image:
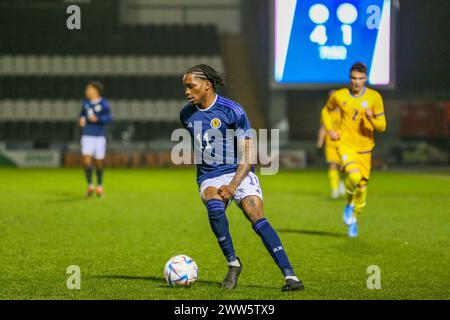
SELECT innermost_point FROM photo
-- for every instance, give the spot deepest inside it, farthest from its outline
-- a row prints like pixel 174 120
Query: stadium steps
pixel 240 78
pixel 102 65
pixel 58 110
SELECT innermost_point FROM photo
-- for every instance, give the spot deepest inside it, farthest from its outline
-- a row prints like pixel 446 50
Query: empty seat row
pixel 68 110
pixel 23 13
pixel 73 87
pixel 152 39
pixel 37 131
pixel 46 131
pixel 102 65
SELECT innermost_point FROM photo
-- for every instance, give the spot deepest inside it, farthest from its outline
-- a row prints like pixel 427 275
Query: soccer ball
pixel 180 270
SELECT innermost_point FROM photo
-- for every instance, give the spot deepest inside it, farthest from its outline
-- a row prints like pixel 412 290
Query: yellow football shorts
pixel 351 159
pixel 331 155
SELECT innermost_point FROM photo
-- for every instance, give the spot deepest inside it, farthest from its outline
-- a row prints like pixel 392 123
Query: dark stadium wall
pixel 257 30
pixel 25 13
pixel 423 46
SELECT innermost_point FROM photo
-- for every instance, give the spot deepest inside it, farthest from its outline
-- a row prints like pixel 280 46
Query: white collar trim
pixel 206 109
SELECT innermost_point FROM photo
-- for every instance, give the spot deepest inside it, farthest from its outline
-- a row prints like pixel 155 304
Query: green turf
pixel 122 242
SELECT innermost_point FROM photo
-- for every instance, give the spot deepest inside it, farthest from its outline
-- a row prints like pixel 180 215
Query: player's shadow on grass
pixel 164 284
pixel 143 278
pixel 313 232
pixel 65 197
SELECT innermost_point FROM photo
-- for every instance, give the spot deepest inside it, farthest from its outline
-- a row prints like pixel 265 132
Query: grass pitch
pixel 121 242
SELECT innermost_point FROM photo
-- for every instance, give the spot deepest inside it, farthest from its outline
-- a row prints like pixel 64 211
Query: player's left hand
pixel 369 113
pixel 226 192
pixel 93 118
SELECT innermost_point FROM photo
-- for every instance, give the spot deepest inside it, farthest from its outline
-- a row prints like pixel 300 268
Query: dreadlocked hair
pixel 206 72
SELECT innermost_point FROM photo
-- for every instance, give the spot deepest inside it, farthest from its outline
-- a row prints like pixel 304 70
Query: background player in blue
pixel 94 115
pixel 219 183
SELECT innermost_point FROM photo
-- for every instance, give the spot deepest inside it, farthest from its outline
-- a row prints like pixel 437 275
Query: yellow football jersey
pixel 356 130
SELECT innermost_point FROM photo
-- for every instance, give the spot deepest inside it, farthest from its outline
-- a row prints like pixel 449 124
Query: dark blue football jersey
pixel 102 110
pixel 214 132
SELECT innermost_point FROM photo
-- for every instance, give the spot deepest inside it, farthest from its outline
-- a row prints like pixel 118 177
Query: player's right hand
pixel 82 121
pixel 93 118
pixel 369 113
pixel 226 192
pixel 334 135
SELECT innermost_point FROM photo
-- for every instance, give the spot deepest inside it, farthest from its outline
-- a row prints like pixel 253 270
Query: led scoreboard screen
pixel 317 41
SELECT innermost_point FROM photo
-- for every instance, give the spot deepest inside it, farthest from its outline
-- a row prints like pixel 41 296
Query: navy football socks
pixel 88 173
pixel 219 224
pixel 99 176
pixel 273 244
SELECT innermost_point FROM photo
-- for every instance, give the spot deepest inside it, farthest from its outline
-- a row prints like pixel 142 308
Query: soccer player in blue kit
pixel 94 115
pixel 219 183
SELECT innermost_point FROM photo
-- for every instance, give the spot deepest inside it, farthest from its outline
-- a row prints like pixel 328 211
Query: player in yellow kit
pixel 362 113
pixel 331 154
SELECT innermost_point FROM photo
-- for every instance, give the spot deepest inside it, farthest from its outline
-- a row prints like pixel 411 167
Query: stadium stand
pixel 44 68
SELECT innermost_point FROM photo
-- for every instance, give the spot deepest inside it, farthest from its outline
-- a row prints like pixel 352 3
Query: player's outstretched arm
pixel 245 164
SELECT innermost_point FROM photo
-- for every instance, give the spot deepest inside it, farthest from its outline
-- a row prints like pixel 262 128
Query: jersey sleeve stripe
pixel 237 109
pixel 234 108
pixel 379 114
